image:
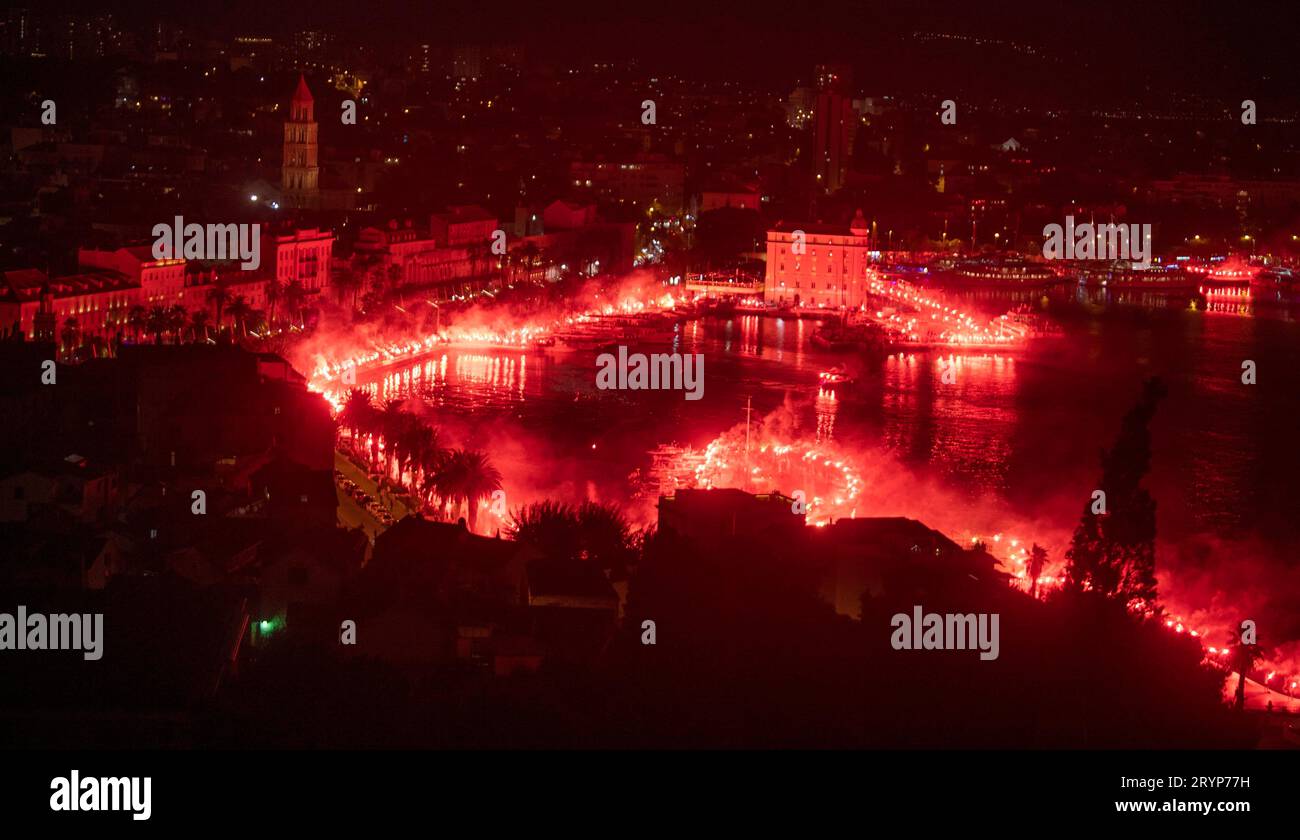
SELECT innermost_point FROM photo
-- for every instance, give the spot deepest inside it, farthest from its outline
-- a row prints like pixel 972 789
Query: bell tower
pixel 299 172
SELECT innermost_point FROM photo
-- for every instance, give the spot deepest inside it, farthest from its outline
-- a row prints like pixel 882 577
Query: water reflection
pixel 1028 428
pixel 463 379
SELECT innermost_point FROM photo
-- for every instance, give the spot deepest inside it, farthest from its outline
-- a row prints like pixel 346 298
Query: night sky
pixel 1191 46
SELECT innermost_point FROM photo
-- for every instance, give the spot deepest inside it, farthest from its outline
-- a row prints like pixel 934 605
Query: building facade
pixel 300 168
pixel 410 257
pixel 818 265
pixel 834 124
pixel 640 181
pixel 99 298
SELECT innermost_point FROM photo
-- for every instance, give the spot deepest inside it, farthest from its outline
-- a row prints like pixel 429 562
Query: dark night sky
pixel 1191 45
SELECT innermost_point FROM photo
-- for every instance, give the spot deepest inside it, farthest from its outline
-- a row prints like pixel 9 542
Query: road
pixel 351 512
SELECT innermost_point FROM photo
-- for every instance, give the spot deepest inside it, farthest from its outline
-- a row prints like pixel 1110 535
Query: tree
pixel 591 532
pixel 358 413
pixel 273 291
pixel 294 294
pixel 258 323
pixel 70 336
pixel 1114 552
pixel 395 278
pixel 420 445
pixel 432 462
pixel 219 295
pixel 136 319
pixel 1243 657
pixel 347 281
pixel 199 324
pixel 527 256
pixel 239 310
pixel 157 322
pixel 549 526
pixel 98 346
pixel 466 478
pixel 1037 560
pixel 364 268
pixel 175 319
pixel 392 420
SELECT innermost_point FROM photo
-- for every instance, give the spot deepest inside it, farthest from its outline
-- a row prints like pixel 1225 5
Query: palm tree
pixel 1243 658
pixel 346 281
pixel 591 532
pixel 432 462
pixel 70 336
pixel 176 322
pixel 549 526
pixel 294 294
pixel 239 310
pixel 364 267
pixel 395 277
pixel 467 478
pixel 219 295
pixel 546 258
pixel 199 323
pixel 136 319
pixel 392 420
pixel 273 290
pixel 358 411
pixel 156 322
pixel 420 444
pixel 527 257
pixel 607 536
pixel 258 322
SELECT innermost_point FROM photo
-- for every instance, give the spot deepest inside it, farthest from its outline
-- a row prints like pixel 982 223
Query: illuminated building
pixel 639 181
pixel 466 224
pixel 301 256
pixel 443 259
pixel 300 173
pixel 40 306
pixel 830 271
pixel 110 283
pixel 834 122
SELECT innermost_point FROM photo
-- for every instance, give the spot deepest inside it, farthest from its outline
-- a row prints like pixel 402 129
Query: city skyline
pixel 895 377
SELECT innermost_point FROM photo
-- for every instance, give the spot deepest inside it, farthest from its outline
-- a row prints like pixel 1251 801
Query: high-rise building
pixel 834 122
pixel 299 172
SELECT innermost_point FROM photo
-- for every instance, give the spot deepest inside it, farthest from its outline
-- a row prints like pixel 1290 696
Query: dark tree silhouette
pixel 1037 560
pixel 1243 658
pixel 591 532
pixel 1114 552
